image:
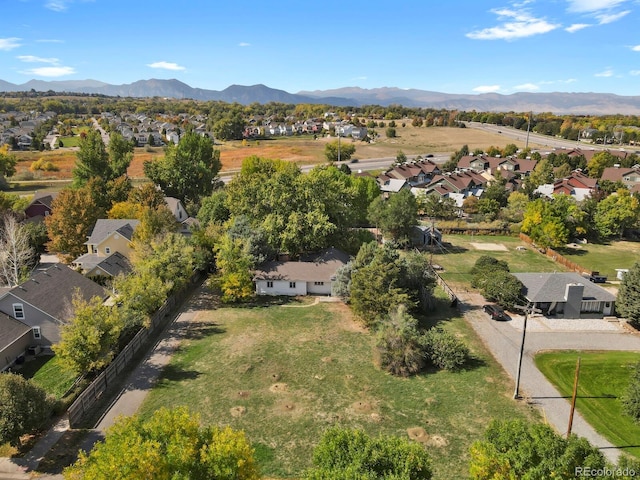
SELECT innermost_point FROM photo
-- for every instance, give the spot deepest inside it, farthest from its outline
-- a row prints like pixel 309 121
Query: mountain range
pixel 555 102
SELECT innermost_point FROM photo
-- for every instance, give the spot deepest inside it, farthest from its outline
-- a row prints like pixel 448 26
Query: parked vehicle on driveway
pixel 495 312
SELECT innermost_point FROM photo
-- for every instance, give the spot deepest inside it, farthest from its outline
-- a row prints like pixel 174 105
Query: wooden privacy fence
pixel 555 256
pixel 440 281
pixel 90 395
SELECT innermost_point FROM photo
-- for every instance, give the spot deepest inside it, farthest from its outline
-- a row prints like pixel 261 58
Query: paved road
pixel 504 339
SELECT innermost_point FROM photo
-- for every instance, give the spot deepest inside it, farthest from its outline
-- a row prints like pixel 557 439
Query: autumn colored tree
pixel 74 213
pixel 8 164
pixel 169 445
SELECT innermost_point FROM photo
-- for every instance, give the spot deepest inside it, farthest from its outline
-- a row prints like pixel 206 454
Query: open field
pixel 604 258
pixel 284 374
pixel 300 149
pixel 459 254
pixel 604 377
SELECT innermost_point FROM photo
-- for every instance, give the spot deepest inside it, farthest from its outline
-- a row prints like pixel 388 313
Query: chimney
pixel 573 298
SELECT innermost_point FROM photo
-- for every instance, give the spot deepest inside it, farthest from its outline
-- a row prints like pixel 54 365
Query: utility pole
pixel 338 132
pixel 526 145
pixel 575 396
pixel 528 309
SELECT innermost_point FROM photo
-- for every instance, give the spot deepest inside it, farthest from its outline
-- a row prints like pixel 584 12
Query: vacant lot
pixel 300 149
pixel 284 374
pixel 460 252
pixel 604 377
pixel 604 258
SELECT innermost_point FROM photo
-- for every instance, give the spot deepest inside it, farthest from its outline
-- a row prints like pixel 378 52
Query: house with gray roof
pixel 44 301
pixel 566 295
pixel 15 338
pixel 107 237
pixel 312 275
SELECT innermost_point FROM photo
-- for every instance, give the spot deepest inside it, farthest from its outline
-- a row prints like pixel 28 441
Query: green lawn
pixel 285 374
pixel 458 256
pixel 604 377
pixel 48 373
pixel 604 258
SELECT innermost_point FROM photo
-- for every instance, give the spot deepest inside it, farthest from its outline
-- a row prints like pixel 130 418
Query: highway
pixel 535 139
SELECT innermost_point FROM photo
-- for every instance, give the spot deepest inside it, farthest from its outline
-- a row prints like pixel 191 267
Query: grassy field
pixel 458 256
pixel 604 258
pixel 300 149
pixel 604 377
pixel 284 374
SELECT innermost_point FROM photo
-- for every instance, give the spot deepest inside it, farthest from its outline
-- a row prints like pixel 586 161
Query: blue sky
pixel 463 46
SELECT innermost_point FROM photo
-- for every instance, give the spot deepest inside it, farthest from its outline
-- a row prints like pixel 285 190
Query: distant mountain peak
pixel 557 102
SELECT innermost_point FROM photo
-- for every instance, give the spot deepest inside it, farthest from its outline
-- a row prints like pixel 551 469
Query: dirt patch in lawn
pixel 495 247
pixel 279 387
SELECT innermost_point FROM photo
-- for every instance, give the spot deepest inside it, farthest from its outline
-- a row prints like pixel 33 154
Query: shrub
pixel 344 454
pixel 43 165
pixel 399 347
pixel 444 349
pixel 631 399
pixel 25 407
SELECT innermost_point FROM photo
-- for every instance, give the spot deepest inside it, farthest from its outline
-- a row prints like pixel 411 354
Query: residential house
pixel 629 176
pixel 41 204
pixel 566 295
pixel 576 185
pixel 15 338
pixel 177 209
pixel 107 237
pixel 44 302
pixel 312 275
pixel 425 235
pixel 415 173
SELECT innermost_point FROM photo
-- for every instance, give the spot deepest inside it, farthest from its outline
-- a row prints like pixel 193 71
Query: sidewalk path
pixel 140 381
pixel 503 339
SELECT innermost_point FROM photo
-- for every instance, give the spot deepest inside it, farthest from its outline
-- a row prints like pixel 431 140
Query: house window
pixel 37 335
pixel 18 311
pixel 269 284
pixel 107 250
pixel 292 284
pixel 318 283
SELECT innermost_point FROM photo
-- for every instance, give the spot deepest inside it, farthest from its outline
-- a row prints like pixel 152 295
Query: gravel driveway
pixel 503 339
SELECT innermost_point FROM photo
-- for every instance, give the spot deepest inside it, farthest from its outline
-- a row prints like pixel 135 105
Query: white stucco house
pixel 312 275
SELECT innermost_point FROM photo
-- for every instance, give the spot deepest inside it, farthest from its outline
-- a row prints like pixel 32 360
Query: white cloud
pixel 605 18
pixel 527 87
pixel 593 5
pixel 577 26
pixel 522 25
pixel 634 72
pixel 606 73
pixel 487 88
pixel 166 66
pixel 244 44
pixel 7 44
pixel 50 71
pixel 57 5
pixel 33 59
pixel 636 48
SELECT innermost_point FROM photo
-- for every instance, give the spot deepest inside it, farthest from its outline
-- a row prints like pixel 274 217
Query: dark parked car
pixel 495 312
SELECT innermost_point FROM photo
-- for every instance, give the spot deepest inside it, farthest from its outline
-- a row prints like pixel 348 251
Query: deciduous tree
pixel 25 407
pixel 188 170
pixel 88 340
pixel 8 164
pixel 16 253
pixel 347 149
pixel 344 454
pixel 628 300
pixel 395 216
pixel 170 445
pixel 616 213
